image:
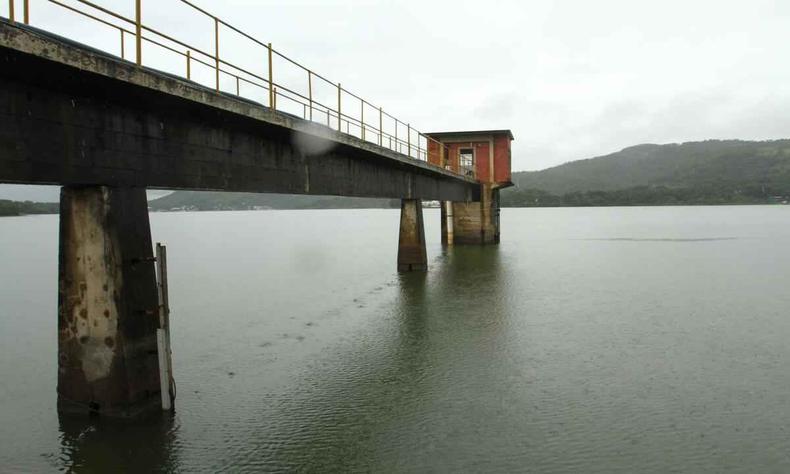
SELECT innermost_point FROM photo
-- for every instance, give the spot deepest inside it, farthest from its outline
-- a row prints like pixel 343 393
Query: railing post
pixel 237 86
pixel 138 31
pixel 271 82
pixel 26 12
pixel 11 10
pixel 189 65
pixel 362 117
pixel 381 126
pixel 274 93
pixel 216 51
pixel 310 92
pixel 408 138
pixel 339 113
pixel 396 136
pixel 123 47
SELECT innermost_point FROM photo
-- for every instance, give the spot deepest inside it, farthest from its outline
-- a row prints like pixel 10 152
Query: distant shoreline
pixel 152 211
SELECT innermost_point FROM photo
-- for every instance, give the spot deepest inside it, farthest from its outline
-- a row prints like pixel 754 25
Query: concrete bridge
pixel 106 129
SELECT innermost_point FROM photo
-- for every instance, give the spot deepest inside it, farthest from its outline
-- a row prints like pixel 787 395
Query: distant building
pixel 483 154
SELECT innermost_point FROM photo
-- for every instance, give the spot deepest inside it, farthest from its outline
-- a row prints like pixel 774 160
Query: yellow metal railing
pixel 382 130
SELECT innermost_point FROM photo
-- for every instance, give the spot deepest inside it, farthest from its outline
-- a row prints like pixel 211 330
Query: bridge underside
pixel 74 116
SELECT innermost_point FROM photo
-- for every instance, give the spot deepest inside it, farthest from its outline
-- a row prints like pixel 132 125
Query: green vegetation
pixel 17 208
pixel 644 196
pixel 709 172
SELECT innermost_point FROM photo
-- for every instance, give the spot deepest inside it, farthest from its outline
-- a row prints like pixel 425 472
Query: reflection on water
pixel 100 445
pixel 567 348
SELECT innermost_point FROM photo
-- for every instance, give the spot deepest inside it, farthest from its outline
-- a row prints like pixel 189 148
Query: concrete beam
pixel 72 115
pixel 411 240
pixel 107 303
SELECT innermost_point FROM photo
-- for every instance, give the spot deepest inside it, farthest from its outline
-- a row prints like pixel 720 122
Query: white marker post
pixel 163 333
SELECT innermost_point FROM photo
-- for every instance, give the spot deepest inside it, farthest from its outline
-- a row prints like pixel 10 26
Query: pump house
pixel 483 155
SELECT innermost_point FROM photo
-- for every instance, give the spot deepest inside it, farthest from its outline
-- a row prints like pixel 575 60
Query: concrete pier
pixel 107 303
pixel 447 222
pixel 411 241
pixel 475 222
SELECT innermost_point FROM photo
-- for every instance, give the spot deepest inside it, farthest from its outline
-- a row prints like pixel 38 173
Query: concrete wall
pixel 502 157
pixel 477 222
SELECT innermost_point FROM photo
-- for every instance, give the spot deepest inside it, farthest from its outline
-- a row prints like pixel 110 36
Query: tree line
pixel 647 196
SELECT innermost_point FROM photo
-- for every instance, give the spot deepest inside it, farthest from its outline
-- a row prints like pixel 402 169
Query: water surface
pixel 595 340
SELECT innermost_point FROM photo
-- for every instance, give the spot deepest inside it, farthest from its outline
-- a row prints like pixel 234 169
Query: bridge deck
pixel 70 114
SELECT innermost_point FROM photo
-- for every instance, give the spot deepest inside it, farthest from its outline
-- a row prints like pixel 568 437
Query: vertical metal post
pixel 396 135
pixel 408 138
pixel 189 65
pixel 304 111
pixel 216 51
pixel 138 31
pixel 237 85
pixel 271 82
pixel 327 117
pixel 310 92
pixel 381 126
pixel 274 93
pixel 11 10
pixel 339 113
pixel 26 12
pixel 123 46
pixel 163 333
pixel 362 117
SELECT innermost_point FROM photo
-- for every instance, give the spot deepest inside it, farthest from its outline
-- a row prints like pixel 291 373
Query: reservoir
pixel 590 340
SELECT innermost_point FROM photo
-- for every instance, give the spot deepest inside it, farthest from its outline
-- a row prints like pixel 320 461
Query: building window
pixel 467 159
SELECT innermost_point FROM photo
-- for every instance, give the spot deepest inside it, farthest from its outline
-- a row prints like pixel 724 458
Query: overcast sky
pixel 572 79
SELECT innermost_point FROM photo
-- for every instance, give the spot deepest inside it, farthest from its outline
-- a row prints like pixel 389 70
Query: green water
pixel 590 340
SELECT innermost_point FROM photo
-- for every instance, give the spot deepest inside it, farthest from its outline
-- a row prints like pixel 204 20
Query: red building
pixel 483 154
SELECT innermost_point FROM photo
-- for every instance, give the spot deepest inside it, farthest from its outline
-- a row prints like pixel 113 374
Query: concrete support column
pixel 411 242
pixel 477 222
pixel 107 303
pixel 447 222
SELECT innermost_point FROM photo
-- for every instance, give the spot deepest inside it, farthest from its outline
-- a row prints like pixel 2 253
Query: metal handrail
pixel 416 149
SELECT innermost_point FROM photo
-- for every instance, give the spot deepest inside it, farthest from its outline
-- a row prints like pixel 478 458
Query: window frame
pixel 470 169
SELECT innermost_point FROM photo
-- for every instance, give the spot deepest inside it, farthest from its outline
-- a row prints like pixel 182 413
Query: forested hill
pixel 21 208
pixel 708 172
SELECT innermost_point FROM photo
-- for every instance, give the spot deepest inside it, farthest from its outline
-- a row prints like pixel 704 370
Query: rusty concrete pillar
pixel 477 222
pixel 107 301
pixel 411 241
pixel 447 222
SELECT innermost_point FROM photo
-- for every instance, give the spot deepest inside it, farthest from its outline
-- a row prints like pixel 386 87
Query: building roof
pixel 469 133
